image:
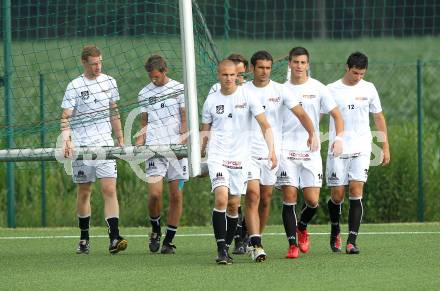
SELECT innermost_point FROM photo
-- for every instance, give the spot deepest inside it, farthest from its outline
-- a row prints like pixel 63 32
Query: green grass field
pixel 393 256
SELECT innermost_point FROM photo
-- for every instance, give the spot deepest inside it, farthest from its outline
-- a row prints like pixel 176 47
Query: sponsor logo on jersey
pixel 230 115
pixel 275 99
pixel 241 106
pixel 85 95
pixel 309 96
pixel 152 100
pixel 220 109
pixel 298 156
pixel 232 164
pixel 363 98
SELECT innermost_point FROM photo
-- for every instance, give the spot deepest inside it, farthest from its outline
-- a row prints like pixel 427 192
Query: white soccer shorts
pixel 233 178
pixel 300 170
pixel 343 169
pixel 259 170
pixel 88 171
pixel 172 169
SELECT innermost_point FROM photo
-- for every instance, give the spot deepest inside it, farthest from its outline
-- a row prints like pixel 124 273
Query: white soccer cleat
pixel 258 254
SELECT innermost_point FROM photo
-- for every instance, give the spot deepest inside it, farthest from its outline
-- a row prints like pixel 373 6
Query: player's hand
pixel 120 141
pixel 183 139
pixel 313 142
pixel 386 157
pixel 67 148
pixel 273 161
pixel 337 147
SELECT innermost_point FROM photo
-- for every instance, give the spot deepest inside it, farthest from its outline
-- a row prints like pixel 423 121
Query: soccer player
pixel 227 123
pixel 260 177
pixel 301 166
pixel 356 98
pixel 89 114
pixel 241 65
pixel 163 122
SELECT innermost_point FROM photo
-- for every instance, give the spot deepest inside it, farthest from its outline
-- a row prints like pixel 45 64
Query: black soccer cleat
pixel 154 242
pixel 117 245
pixel 83 247
pixel 352 249
pixel 168 248
pixel 223 258
pixel 239 248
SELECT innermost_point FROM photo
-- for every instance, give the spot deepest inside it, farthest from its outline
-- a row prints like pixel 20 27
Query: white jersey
pixel 355 103
pixel 162 104
pixel 274 101
pixel 90 101
pixel 315 98
pixel 231 124
pixel 214 88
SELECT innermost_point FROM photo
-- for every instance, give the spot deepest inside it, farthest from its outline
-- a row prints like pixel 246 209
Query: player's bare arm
pixel 65 132
pixel 337 146
pixel 204 136
pixel 141 135
pixel 115 120
pixel 266 129
pixel 379 121
pixel 312 141
pixel 183 126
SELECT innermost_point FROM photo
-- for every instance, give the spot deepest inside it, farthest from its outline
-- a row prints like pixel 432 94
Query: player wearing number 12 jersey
pixel 356 98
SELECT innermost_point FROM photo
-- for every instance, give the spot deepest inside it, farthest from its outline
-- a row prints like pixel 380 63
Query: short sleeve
pixel 328 103
pixel 114 90
pixel 289 100
pixel 181 97
pixel 142 101
pixel 69 99
pixel 206 114
pixel 375 106
pixel 255 106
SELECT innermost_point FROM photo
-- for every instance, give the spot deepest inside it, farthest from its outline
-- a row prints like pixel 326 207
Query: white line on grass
pixel 210 234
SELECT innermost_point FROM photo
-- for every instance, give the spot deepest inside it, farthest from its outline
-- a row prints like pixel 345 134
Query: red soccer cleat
pixel 303 240
pixel 292 252
pixel 335 243
pixel 352 249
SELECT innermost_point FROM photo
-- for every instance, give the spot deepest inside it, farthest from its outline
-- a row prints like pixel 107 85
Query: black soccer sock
pixel 243 228
pixel 255 240
pixel 334 211
pixel 113 229
pixel 354 218
pixel 84 225
pixel 307 213
pixel 231 228
pixel 239 230
pixel 155 224
pixel 289 221
pixel 219 225
pixel 169 236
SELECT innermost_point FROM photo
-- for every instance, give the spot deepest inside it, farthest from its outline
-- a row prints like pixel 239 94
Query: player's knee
pixel 252 198
pixel 312 203
pixel 176 197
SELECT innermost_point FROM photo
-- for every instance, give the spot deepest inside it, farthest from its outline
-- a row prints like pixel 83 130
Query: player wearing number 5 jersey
pixel 300 166
pixel 356 99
